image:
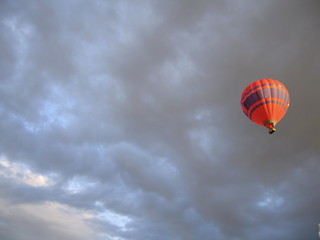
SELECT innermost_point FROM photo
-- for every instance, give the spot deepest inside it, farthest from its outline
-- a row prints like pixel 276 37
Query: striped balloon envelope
pixel 265 102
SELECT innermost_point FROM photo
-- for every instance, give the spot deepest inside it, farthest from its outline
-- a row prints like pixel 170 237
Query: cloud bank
pixel 122 120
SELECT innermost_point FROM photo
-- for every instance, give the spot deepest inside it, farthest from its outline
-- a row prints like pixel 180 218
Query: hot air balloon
pixel 265 102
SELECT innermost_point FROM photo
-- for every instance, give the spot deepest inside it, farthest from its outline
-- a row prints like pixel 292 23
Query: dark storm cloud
pixel 132 112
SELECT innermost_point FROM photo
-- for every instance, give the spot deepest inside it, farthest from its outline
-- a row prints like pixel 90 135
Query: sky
pixel 121 120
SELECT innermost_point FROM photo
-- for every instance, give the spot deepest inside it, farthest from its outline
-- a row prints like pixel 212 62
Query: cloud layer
pixel 122 120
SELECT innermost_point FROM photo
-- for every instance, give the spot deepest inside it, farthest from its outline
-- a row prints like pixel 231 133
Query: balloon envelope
pixel 265 102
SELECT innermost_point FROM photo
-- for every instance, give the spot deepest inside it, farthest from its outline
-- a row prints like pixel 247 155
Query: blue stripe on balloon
pixel 262 85
pixel 263 94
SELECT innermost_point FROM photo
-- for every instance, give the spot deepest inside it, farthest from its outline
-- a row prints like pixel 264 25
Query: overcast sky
pixel 121 120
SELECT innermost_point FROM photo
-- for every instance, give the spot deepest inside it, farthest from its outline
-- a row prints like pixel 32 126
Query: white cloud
pixel 78 185
pixel 271 200
pixel 21 173
pixel 49 220
pixel 113 218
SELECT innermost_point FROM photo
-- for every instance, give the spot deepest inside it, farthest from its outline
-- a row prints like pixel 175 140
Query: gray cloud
pixel 126 118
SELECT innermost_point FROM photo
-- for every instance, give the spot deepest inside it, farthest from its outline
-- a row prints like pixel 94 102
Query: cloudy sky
pixel 121 120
